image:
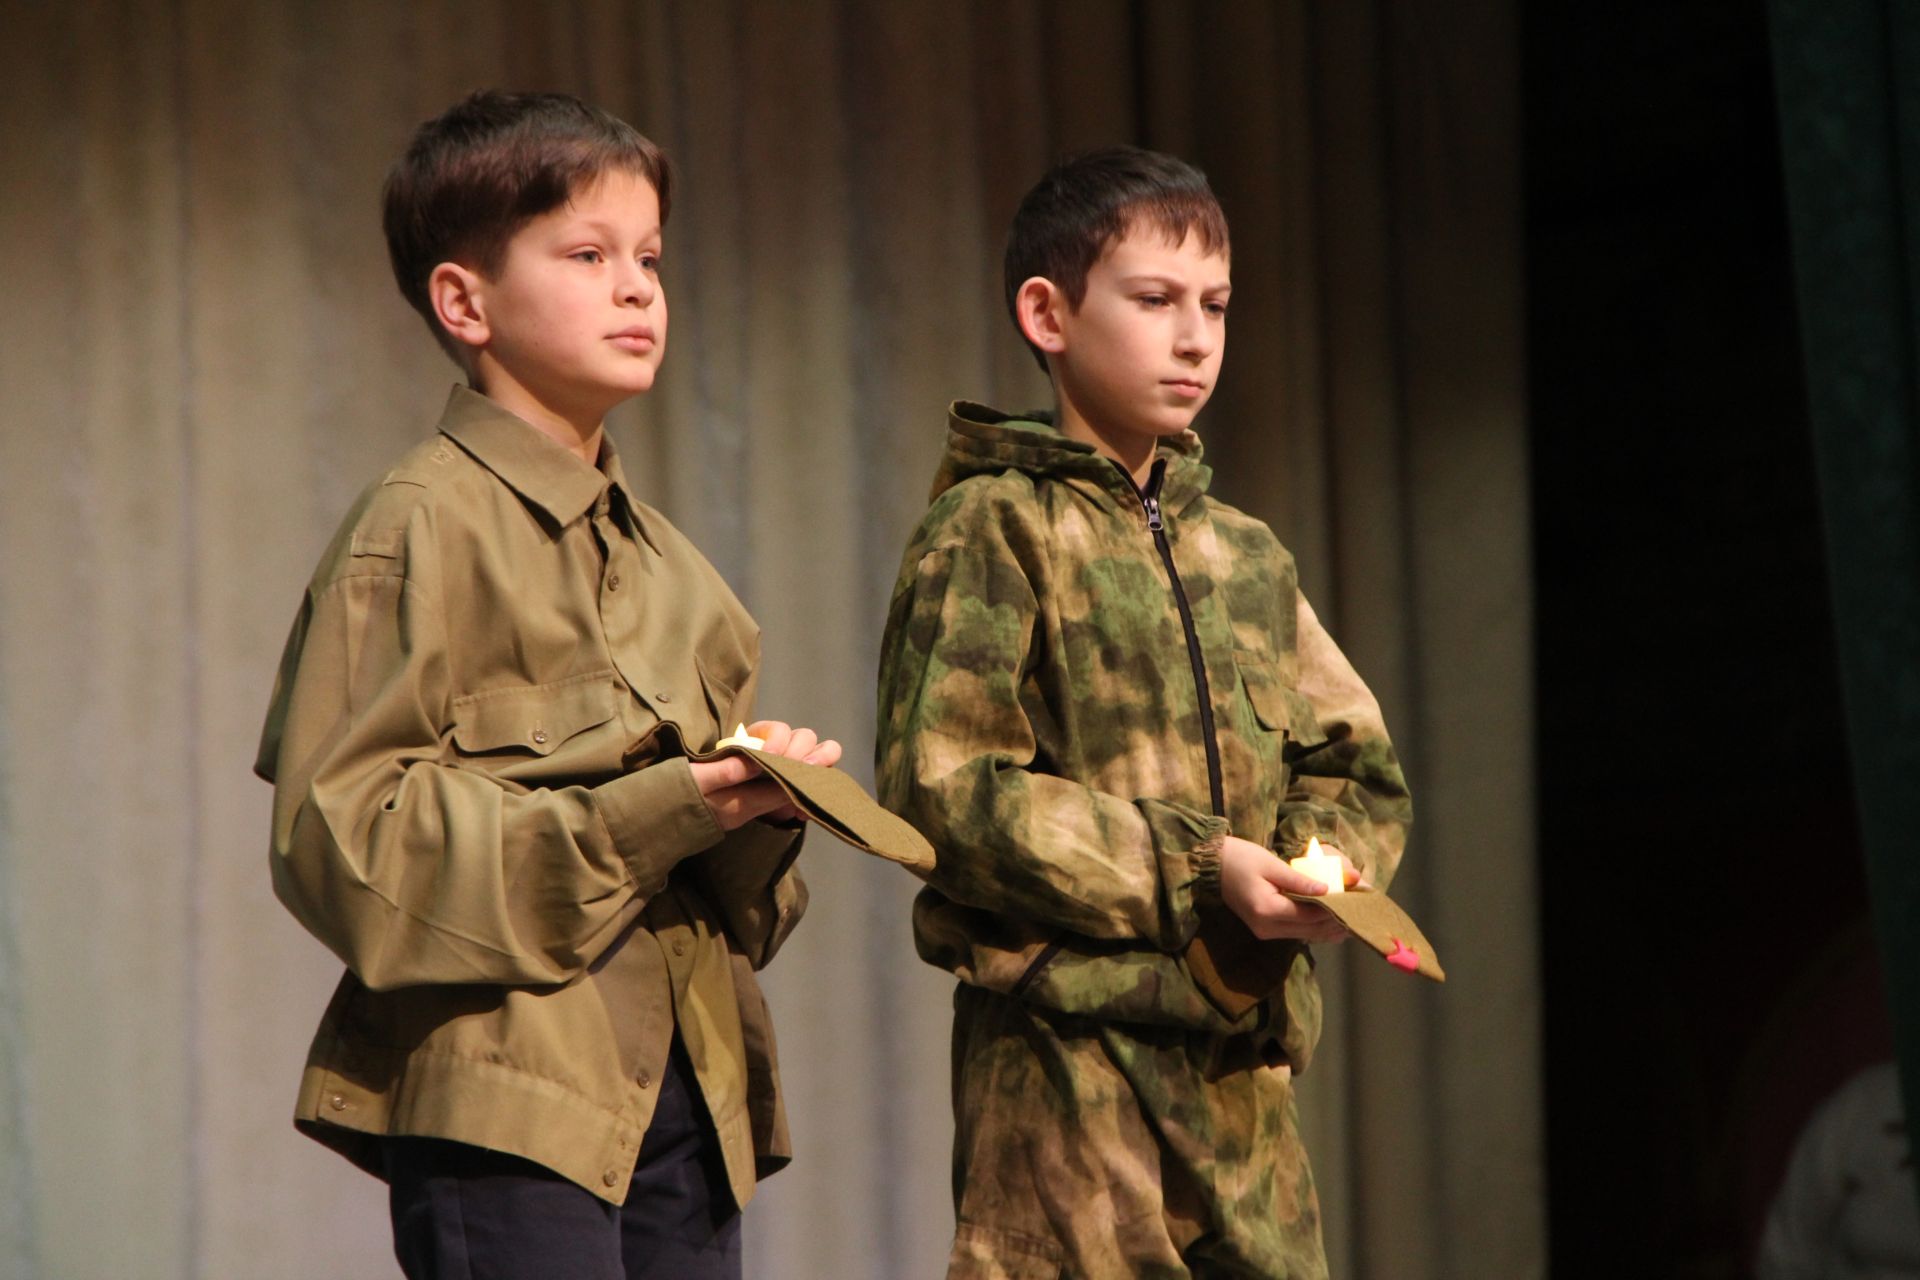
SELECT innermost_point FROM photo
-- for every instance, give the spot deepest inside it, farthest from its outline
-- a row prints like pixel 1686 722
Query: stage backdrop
pixel 202 359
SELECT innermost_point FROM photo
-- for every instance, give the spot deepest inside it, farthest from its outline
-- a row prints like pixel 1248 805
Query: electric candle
pixel 1322 866
pixel 740 738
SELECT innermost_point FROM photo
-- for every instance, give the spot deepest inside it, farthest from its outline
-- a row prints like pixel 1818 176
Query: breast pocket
pixel 538 731
pixel 1277 706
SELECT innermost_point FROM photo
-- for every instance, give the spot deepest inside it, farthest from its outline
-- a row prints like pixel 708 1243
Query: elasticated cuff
pixel 656 817
pixel 1186 843
pixel 1205 861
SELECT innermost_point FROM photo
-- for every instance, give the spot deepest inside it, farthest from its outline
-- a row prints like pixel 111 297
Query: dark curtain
pixel 1848 81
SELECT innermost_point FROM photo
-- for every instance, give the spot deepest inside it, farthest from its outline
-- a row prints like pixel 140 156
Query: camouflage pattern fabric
pixel 1040 722
pixel 1095 1149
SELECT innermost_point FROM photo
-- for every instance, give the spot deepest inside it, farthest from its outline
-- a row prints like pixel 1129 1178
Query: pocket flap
pixel 1276 705
pixel 534 718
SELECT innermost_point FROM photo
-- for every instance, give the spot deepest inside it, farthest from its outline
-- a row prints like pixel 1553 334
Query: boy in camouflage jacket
pixel 1096 680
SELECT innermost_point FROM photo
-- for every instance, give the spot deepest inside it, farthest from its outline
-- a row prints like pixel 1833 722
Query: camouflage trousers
pixel 1102 1151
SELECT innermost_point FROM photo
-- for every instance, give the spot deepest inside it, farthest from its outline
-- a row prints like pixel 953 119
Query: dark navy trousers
pixel 465 1213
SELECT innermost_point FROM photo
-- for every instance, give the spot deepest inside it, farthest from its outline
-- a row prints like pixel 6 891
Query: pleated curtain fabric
pixel 1847 86
pixel 202 359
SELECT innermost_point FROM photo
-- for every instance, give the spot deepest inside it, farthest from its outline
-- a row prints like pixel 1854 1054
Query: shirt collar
pixel 541 470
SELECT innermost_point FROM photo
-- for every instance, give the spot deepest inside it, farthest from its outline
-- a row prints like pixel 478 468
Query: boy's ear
pixel 1041 307
pixel 459 300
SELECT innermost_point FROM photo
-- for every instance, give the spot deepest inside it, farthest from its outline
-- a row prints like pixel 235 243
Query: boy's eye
pixel 650 261
pixel 591 256
pixel 1153 299
pixel 1217 310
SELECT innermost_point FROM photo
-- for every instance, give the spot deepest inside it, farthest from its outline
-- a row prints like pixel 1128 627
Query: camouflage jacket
pixel 1084 686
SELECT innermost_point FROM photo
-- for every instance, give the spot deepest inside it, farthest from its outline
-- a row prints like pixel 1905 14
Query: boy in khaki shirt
pixel 548 1040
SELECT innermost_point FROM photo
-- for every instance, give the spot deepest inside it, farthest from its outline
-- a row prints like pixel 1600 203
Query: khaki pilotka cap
pixel 838 803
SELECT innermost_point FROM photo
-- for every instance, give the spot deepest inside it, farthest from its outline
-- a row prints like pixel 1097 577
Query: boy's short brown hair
pixel 474 175
pixel 1086 202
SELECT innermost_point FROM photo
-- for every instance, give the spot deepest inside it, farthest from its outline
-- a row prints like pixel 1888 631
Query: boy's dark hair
pixel 1086 202
pixel 474 175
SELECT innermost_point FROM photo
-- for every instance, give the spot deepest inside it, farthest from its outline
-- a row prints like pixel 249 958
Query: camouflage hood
pixel 1084 687
pixel 984 442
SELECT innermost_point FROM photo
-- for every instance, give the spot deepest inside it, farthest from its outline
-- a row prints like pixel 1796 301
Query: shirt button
pixel 663 696
pixel 540 737
pixel 613 582
pixel 611 1177
pixel 646 1080
pixel 679 948
pixel 338 1102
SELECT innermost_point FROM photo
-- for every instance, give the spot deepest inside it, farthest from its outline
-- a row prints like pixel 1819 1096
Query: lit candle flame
pixel 1322 866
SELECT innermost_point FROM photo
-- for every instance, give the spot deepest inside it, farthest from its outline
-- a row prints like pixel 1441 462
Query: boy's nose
pixel 1195 339
pixel 636 287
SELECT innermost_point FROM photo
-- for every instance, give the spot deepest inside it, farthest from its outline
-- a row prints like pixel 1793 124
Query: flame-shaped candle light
pixel 740 738
pixel 1322 866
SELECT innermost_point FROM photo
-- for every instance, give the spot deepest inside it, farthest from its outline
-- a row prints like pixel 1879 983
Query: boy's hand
pixel 795 744
pixel 1255 882
pixel 734 788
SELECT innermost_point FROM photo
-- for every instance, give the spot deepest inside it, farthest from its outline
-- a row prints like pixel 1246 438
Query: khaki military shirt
pixel 482 806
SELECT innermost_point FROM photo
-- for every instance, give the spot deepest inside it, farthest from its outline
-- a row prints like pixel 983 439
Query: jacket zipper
pixel 1150 500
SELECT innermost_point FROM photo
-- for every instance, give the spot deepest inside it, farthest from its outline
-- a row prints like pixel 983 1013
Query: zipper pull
pixel 1154 522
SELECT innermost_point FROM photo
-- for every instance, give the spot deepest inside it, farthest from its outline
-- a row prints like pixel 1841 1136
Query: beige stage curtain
pixel 202 359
